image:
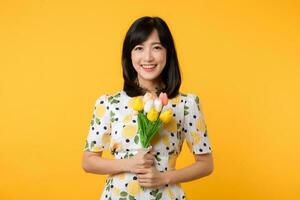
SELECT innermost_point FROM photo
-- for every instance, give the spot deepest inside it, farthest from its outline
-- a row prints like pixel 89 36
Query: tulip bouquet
pixel 150 116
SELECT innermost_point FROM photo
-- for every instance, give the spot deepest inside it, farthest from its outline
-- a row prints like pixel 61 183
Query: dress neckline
pixel 124 93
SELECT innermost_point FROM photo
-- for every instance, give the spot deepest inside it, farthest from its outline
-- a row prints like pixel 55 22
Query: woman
pixel 150 65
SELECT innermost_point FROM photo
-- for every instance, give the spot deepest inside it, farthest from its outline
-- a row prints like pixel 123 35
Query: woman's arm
pixel 94 163
pixel 202 167
pixel 151 177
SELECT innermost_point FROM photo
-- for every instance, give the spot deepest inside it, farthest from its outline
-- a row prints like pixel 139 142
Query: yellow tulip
pixel 138 104
pixel 152 115
pixel 166 116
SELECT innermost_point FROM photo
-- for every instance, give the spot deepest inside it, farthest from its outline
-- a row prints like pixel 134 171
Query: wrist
pixel 166 177
pixel 125 165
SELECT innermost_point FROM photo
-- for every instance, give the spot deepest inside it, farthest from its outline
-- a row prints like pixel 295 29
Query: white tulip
pixel 147 97
pixel 157 104
pixel 148 105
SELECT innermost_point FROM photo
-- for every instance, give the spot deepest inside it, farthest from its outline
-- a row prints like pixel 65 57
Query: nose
pixel 148 55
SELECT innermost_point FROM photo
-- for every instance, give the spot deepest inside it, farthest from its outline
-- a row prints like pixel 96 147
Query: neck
pixel 150 86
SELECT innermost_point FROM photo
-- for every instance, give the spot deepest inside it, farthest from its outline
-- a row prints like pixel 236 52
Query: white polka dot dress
pixel 114 127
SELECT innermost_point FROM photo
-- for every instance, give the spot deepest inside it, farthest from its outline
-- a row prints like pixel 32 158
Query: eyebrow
pixel 152 43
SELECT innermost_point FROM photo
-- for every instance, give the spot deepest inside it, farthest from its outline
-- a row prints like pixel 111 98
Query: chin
pixel 150 78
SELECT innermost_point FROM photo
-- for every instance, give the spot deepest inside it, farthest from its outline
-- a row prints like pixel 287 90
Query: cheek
pixel 161 57
pixel 161 54
pixel 135 62
pixel 135 58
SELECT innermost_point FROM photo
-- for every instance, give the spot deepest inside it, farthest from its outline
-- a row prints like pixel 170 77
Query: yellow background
pixel 240 57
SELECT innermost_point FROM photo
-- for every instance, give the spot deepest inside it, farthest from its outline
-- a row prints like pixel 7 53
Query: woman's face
pixel 149 58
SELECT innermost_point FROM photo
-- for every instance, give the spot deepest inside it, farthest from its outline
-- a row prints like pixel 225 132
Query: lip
pixel 148 66
pixel 149 69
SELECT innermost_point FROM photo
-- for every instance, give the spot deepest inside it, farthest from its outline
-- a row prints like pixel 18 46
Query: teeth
pixel 148 66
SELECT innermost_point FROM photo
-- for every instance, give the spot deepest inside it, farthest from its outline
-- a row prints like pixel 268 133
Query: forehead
pixel 153 38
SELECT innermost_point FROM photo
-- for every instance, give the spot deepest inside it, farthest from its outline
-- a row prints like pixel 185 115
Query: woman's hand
pixel 151 177
pixel 140 161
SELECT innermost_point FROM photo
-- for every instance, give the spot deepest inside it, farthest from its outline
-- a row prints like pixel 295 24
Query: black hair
pixel 138 32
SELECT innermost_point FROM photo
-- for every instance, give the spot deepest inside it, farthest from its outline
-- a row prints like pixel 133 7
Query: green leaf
pixel 186 113
pixel 154 130
pixel 140 129
pixel 98 121
pixel 112 114
pixel 197 100
pixel 159 195
pixel 186 107
pixel 123 193
pixel 157 158
pixel 142 123
pixel 115 101
pixel 117 95
pixel 136 139
pixel 131 197
pixel 86 145
pixel 110 98
pixel 154 192
pixel 92 144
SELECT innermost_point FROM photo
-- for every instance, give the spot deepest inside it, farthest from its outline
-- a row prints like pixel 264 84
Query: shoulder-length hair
pixel 138 32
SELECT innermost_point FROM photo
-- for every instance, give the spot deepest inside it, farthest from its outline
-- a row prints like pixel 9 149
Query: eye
pixel 138 48
pixel 157 47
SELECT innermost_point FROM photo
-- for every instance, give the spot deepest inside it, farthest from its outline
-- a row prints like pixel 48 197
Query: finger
pixel 149 157
pixel 149 162
pixel 143 176
pixel 144 180
pixel 152 153
pixel 146 166
pixel 140 170
pixel 148 185
pixel 141 153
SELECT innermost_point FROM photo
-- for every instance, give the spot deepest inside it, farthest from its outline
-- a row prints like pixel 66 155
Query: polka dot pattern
pixel 114 127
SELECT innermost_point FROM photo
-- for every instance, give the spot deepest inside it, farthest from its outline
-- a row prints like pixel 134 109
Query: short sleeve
pixel 195 130
pixel 99 134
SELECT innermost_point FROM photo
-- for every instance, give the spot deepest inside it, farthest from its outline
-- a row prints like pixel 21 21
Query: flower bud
pixel 147 97
pixel 148 105
pixel 157 104
pixel 166 116
pixel 164 98
pixel 138 104
pixel 152 115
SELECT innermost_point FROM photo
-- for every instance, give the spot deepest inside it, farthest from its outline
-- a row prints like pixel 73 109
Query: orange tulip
pixel 164 98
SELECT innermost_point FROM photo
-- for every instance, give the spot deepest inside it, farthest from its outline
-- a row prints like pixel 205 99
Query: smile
pixel 149 66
